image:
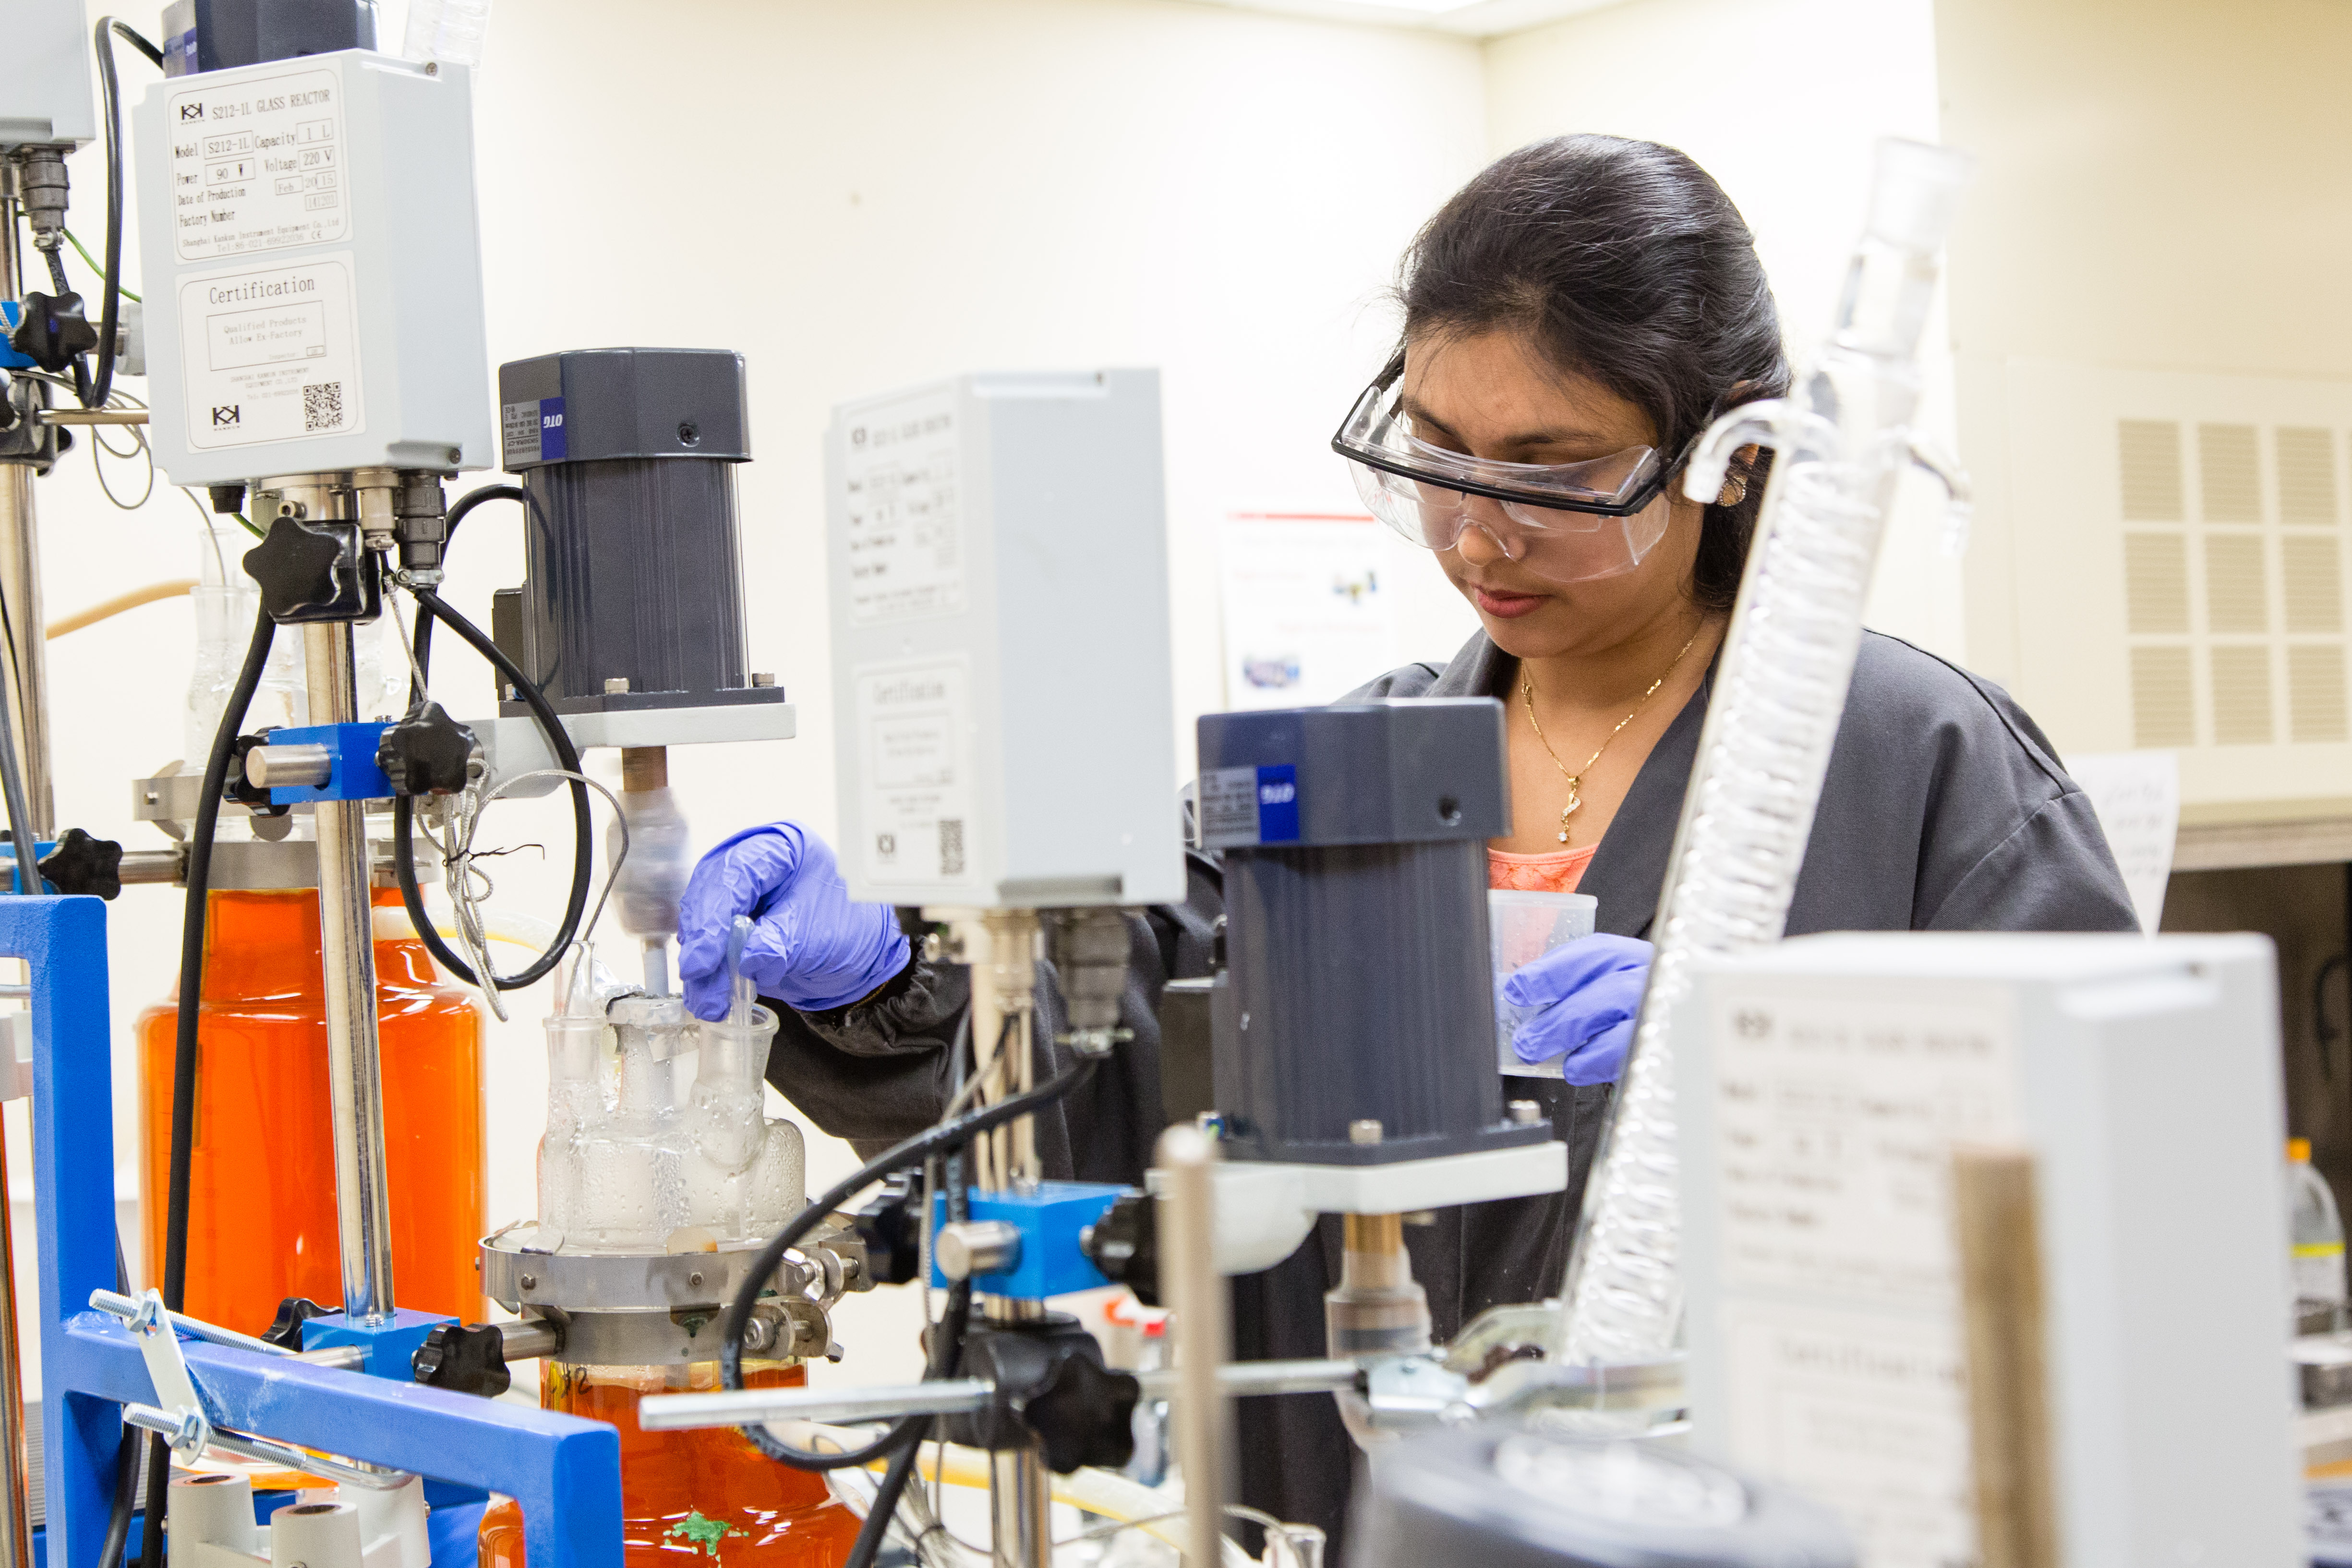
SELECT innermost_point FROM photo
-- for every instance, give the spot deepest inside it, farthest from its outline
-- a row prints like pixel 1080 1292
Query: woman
pixel 1573 319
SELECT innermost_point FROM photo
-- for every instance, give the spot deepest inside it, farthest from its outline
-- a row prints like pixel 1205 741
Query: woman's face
pixel 1492 396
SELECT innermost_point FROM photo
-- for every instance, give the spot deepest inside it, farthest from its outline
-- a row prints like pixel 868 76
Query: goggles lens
pixel 1555 545
pixel 1568 522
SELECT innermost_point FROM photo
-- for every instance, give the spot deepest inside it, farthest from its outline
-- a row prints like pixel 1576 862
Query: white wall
pixel 861 196
pixel 855 198
pixel 1780 100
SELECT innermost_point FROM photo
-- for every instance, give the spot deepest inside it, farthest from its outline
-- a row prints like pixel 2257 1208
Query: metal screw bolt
pixel 1526 1112
pixel 1366 1131
pixel 530 1281
pixel 456 456
pixel 616 685
pixel 763 678
pixel 694 1280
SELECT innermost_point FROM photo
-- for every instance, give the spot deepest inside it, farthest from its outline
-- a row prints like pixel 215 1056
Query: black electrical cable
pixel 184 1058
pixel 57 281
pixel 583 840
pixel 110 316
pixel 126 1457
pixel 946 1136
pixel 459 513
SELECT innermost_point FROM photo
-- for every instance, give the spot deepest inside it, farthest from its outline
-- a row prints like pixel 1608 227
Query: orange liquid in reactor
pixel 703 1494
pixel 261 1212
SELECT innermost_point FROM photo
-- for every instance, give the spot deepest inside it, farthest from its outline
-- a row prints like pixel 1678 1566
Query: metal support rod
pixel 148 1418
pixel 25 685
pixel 127 1307
pixel 956 1397
pixel 27 651
pixel 347 947
pixel 1195 1295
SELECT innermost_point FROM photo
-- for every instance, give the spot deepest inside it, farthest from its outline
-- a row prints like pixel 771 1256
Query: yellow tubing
pixel 1104 1492
pixel 117 605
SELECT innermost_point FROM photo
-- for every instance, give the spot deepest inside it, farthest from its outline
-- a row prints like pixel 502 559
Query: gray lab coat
pixel 1944 809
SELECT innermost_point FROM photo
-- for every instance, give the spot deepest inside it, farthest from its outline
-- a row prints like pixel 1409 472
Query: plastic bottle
pixel 2315 1235
pixel 261 1213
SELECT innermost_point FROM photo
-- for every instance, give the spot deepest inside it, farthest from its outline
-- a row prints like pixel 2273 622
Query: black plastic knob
pixel 80 864
pixel 1125 1245
pixel 1085 1414
pixel 891 1228
pixel 465 1358
pixel 312 571
pixel 286 1328
pixel 53 332
pixel 427 753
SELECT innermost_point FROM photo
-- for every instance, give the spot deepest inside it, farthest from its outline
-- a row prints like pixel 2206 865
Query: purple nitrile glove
pixel 1589 992
pixel 811 946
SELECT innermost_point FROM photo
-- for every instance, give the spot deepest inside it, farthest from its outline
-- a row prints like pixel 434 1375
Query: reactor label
pixel 1241 806
pixel 914 727
pixel 905 516
pixel 259 165
pixel 270 353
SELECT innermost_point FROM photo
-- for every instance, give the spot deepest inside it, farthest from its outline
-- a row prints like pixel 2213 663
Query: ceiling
pixel 1470 19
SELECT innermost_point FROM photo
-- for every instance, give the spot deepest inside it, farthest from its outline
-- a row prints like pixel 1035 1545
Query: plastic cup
pixel 1522 927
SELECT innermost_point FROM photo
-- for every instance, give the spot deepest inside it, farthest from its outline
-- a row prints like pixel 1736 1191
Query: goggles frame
pixel 1374 457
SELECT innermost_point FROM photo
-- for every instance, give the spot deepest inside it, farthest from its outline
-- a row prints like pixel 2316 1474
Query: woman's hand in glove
pixel 811 947
pixel 1589 992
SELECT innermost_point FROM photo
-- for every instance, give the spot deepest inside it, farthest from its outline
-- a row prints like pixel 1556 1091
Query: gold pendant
pixel 1575 800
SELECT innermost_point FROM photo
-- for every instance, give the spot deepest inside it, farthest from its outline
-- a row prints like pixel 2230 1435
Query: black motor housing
pixel 1357 986
pixel 628 457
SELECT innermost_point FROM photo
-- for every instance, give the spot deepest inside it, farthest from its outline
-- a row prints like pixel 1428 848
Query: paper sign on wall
pixel 1307 614
pixel 2138 796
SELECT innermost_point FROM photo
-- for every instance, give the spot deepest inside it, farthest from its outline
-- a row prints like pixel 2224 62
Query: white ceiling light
pixel 1472 18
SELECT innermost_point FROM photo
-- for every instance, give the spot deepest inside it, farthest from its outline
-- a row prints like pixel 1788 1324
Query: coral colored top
pixel 1558 872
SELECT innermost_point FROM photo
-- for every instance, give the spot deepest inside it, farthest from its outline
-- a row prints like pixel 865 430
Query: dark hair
pixel 1624 262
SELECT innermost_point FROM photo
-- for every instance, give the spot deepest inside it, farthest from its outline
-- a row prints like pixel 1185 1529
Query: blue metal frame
pixel 565 1471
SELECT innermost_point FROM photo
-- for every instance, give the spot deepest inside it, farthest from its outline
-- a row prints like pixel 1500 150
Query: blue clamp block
pixel 1050 1220
pixel 41 851
pixel 12 313
pixel 351 749
pixel 391 1347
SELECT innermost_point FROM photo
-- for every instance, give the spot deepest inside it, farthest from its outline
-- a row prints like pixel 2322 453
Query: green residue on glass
pixel 707 1533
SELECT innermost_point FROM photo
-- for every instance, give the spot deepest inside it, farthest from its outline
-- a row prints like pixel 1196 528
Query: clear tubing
pixel 1842 440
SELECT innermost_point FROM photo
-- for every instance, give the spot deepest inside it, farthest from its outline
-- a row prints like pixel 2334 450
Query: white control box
pixel 313 270
pixel 44 90
pixel 1822 1085
pixel 1004 697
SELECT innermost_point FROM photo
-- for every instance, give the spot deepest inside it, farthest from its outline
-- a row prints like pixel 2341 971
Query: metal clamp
pixel 181 1418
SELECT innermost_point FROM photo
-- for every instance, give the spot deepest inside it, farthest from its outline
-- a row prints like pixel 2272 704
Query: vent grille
pixel 2234 600
pixel 2242 696
pixel 2236 612
pixel 2313 583
pixel 2163 705
pixel 2155 582
pixel 2314 692
pixel 2151 468
pixel 2307 476
pixel 2228 458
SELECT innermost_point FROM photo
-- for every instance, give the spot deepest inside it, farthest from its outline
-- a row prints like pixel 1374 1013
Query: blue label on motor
pixel 553 447
pixel 1277 804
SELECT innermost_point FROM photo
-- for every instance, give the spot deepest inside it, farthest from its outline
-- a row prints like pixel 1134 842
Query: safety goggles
pixel 1567 523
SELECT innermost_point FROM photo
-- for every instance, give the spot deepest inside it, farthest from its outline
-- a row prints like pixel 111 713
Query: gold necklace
pixel 1576 779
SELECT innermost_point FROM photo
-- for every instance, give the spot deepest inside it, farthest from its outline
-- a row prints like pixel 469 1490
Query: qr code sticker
pixel 322 406
pixel 951 847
